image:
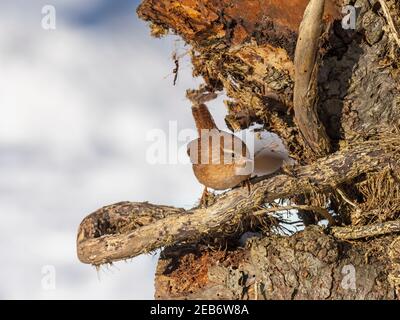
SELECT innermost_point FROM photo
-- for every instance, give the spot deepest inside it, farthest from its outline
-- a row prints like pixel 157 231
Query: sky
pixel 76 106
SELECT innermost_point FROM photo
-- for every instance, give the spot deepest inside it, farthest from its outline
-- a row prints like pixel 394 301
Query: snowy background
pixel 76 104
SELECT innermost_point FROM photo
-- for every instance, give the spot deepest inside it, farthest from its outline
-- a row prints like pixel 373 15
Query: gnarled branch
pixel 306 70
pixel 373 230
pixel 125 230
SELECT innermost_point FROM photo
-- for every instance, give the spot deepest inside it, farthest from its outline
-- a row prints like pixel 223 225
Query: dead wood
pixel 371 230
pixel 126 230
pixel 308 265
pixel 306 71
pixel 334 100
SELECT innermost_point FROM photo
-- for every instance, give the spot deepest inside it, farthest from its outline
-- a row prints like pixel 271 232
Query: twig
pixel 372 230
pixel 390 22
pixel 345 198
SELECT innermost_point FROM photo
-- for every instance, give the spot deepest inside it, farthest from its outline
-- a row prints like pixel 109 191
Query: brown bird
pixel 220 159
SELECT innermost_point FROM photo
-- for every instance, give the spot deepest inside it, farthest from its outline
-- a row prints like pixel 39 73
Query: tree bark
pixel 126 230
pixel 332 95
pixel 308 265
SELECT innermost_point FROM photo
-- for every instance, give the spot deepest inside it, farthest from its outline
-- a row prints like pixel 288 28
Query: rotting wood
pixel 103 238
pixel 246 48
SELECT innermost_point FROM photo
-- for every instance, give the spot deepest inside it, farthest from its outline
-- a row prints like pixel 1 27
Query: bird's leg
pixel 247 183
pixel 205 197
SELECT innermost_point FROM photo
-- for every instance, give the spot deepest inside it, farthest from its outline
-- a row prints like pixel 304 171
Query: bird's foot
pixel 247 183
pixel 207 198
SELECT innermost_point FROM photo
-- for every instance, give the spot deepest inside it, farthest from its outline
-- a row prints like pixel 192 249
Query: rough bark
pixel 335 103
pixel 247 48
pixel 308 265
pixel 126 230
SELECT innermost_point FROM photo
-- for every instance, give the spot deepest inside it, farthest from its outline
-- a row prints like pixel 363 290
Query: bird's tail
pixel 203 118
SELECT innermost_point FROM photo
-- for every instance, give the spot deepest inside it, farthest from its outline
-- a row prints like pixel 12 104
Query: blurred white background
pixel 75 106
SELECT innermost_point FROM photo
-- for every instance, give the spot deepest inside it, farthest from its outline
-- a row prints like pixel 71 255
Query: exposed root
pixel 373 230
pixel 381 192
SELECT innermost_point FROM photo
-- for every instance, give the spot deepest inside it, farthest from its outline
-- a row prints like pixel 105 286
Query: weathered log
pixel 126 230
pixel 350 90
